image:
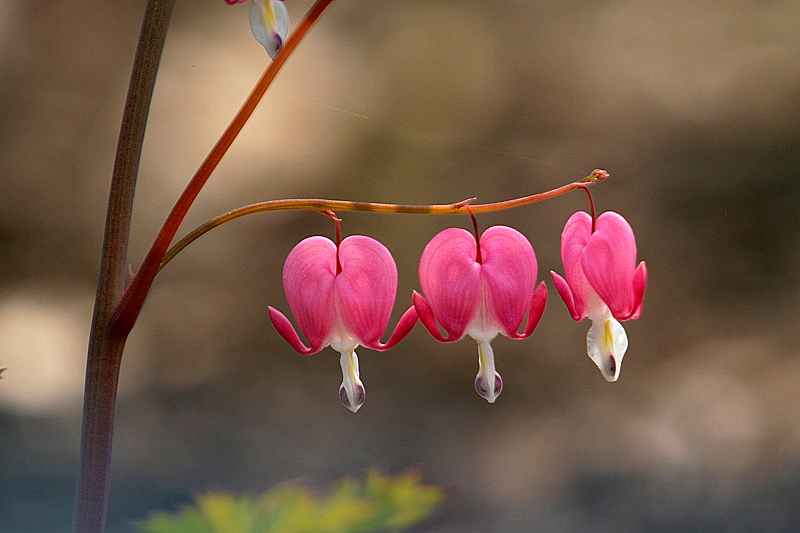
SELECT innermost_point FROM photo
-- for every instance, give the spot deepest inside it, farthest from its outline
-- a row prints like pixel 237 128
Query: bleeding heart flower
pixel 341 298
pixel 602 283
pixel 480 292
pixel 269 22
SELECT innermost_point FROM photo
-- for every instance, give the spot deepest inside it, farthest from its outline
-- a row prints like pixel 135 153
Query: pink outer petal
pixel 428 320
pixel 538 301
pixel 609 261
pixel 450 280
pixel 566 294
pixel 365 288
pixel 403 328
pixel 639 285
pixel 308 281
pixel 288 332
pixel 574 239
pixel 509 273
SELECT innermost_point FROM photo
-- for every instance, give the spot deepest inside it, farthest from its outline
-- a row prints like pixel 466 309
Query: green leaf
pixel 377 503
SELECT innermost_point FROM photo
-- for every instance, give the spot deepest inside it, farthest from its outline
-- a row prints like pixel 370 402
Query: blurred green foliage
pixel 377 503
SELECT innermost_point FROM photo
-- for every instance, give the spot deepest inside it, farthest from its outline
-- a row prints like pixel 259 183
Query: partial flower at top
pixel 480 291
pixel 341 297
pixel 269 22
pixel 602 283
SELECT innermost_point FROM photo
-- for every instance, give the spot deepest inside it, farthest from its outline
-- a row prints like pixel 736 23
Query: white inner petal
pixel 606 344
pixel 485 381
pixel 351 382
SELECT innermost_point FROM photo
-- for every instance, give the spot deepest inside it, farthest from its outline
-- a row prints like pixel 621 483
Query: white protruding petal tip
pixel 269 22
pixel 354 398
pixel 482 386
pixel 606 344
pixel 351 391
pixel 488 382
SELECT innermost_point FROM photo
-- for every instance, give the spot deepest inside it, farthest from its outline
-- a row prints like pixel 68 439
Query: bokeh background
pixel 694 109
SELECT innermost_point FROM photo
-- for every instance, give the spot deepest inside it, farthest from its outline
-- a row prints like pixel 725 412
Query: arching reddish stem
pixel 338 238
pixel 591 206
pixel 478 257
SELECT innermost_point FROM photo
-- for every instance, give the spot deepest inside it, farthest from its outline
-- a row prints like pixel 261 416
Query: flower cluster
pixel 342 294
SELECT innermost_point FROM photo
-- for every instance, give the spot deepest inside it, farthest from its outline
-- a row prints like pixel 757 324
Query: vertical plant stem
pixel 105 347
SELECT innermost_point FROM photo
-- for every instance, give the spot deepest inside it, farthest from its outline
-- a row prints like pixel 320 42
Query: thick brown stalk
pixel 105 349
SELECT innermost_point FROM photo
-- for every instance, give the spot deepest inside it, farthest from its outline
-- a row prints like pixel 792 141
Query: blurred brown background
pixel 694 109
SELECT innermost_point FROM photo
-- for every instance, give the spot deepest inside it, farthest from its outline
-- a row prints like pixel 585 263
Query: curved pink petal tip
pixel 403 328
pixel 537 304
pixel 426 316
pixel 287 331
pixel 639 286
pixel 566 294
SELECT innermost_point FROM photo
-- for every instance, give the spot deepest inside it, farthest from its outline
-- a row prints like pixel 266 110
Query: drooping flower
pixel 602 283
pixel 269 22
pixel 341 297
pixel 480 291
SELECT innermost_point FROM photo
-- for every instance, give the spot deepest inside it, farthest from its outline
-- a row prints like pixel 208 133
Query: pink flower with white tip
pixel 341 297
pixel 602 283
pixel 480 291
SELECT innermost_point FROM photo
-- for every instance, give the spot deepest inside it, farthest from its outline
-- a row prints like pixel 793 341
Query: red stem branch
pixel 325 206
pixel 133 298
